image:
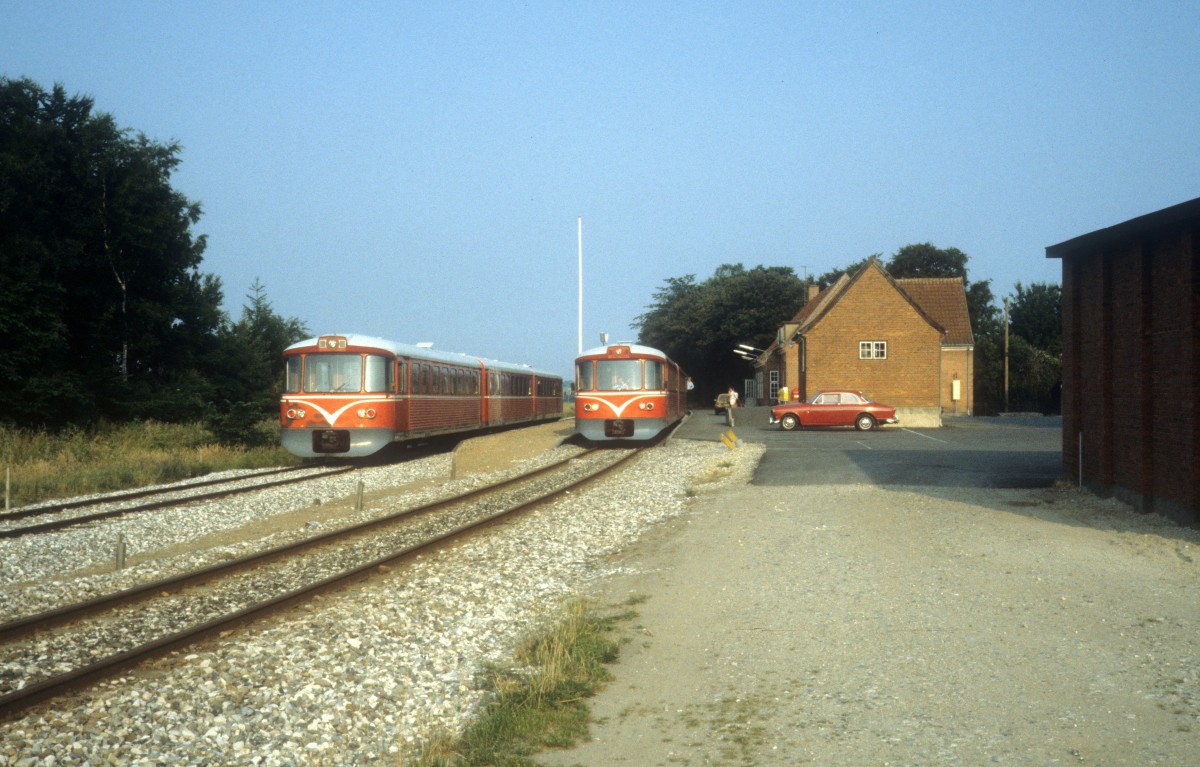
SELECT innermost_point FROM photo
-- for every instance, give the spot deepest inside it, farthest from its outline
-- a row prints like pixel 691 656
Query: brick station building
pixel 906 342
pixel 1131 360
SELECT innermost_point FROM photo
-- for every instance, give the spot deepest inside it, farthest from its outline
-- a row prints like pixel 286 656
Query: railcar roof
pixel 647 351
pixel 425 353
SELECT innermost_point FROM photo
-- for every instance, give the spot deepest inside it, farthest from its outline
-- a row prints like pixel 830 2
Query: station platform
pixel 749 424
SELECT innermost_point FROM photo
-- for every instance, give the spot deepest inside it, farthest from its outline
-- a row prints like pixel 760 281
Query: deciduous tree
pixel 699 324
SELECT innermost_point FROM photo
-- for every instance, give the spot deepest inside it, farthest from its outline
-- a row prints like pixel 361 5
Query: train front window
pixel 379 373
pixel 291 374
pixel 618 375
pixel 583 376
pixel 325 373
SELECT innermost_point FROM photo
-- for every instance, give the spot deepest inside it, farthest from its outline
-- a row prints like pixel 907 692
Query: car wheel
pixel 864 422
pixel 789 422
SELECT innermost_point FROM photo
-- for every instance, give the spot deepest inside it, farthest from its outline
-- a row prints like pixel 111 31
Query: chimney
pixel 813 290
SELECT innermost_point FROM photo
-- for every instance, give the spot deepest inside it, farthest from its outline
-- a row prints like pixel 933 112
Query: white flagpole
pixel 581 284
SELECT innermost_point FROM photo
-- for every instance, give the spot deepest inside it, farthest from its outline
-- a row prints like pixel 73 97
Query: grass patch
pixel 41 465
pixel 539 702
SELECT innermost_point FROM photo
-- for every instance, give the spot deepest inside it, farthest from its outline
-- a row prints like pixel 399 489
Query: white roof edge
pixel 427 353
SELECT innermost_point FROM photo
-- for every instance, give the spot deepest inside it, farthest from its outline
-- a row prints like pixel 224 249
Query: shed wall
pixel 1131 363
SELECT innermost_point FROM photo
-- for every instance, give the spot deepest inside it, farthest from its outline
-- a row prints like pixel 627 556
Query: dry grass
pixel 39 465
pixel 540 702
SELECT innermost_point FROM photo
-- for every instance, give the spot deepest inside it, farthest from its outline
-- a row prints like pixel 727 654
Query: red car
pixel 834 408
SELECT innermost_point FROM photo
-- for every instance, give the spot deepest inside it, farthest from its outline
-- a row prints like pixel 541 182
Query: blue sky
pixel 416 170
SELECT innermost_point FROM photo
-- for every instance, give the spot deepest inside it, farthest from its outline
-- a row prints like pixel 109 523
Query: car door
pixel 824 409
pixel 844 412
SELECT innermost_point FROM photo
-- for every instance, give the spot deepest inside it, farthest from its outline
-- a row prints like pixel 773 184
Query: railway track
pixel 154 618
pixel 111 506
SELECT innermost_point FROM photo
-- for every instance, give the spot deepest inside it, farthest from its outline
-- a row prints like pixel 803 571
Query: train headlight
pixel 366 412
pixel 590 407
pixel 646 406
pixel 294 413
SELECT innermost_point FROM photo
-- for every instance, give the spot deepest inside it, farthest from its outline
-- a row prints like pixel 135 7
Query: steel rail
pixel 17 532
pixel 22 512
pixel 25 697
pixel 59 615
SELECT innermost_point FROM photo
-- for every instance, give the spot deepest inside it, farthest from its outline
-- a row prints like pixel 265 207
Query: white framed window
pixel 872 350
pixel 774 385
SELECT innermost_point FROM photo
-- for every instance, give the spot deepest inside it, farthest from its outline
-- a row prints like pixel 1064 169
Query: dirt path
pixel 862 626
pixel 500 450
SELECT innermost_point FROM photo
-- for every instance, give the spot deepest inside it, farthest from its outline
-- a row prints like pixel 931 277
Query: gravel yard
pixel 832 625
pixel 853 625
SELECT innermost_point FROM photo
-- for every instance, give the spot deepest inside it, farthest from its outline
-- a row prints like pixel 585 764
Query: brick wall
pixel 909 377
pixel 1131 370
pixel 958 363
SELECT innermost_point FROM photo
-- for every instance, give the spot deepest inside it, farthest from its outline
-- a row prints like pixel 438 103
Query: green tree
pixel 248 369
pixel 927 260
pixel 101 297
pixel 1035 347
pixel 698 325
pixel 1035 314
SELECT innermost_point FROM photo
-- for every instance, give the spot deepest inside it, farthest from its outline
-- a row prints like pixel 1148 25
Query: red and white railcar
pixel 351 395
pixel 627 392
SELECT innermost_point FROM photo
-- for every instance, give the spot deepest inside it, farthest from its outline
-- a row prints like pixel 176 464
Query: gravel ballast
pixel 848 625
pixel 361 676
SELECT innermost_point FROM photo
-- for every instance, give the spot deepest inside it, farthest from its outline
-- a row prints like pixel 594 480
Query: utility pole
pixel 1005 355
pixel 581 285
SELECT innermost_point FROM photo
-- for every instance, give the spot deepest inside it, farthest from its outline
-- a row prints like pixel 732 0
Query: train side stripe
pixel 332 417
pixel 615 408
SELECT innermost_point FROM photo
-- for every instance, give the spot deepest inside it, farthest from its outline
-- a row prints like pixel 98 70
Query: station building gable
pixel 869 332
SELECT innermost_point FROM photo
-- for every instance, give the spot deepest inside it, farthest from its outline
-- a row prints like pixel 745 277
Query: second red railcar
pixel 351 395
pixel 627 392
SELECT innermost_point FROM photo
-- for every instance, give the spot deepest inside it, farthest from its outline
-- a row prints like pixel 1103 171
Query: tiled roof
pixel 942 300
pixel 809 312
pixel 945 300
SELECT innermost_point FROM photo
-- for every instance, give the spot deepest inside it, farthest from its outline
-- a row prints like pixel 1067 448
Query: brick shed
pixel 1131 360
